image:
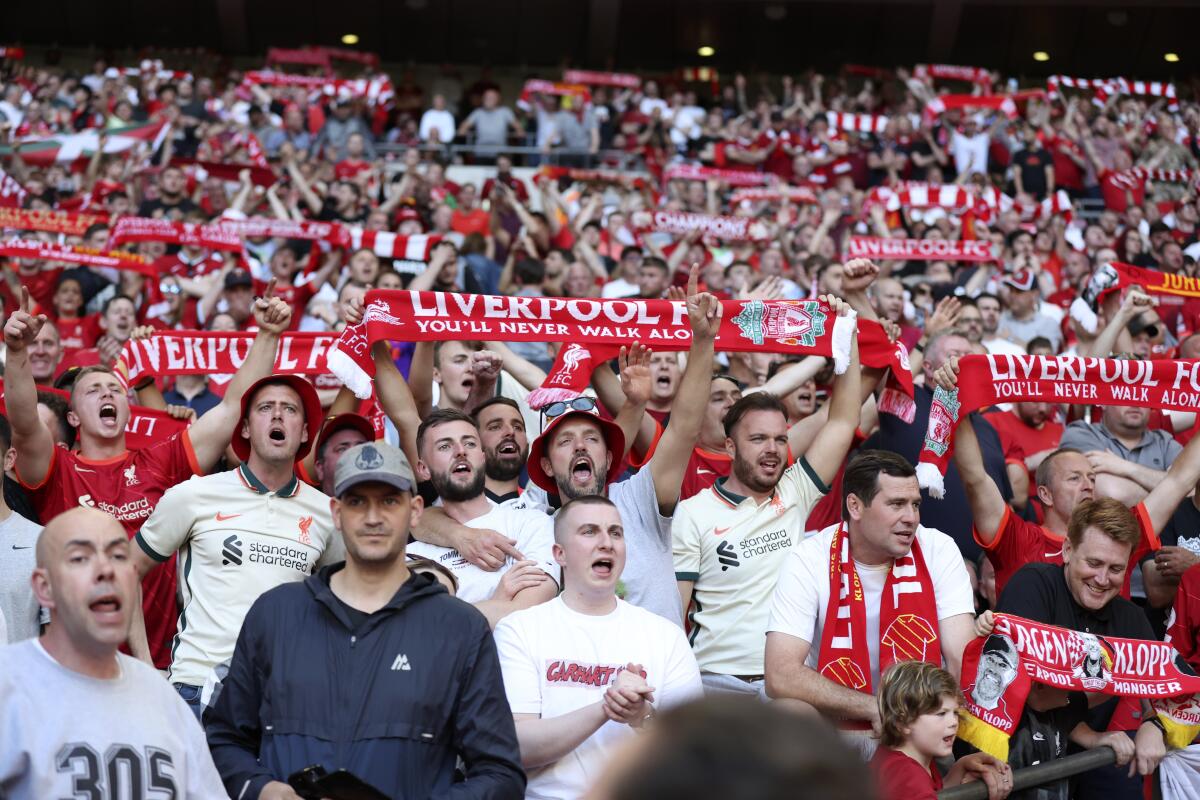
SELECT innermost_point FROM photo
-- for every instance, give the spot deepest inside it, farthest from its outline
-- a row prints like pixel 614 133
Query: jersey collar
pixel 252 482
pixel 729 497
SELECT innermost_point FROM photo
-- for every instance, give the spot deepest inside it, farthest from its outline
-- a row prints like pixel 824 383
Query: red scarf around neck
pixel 908 621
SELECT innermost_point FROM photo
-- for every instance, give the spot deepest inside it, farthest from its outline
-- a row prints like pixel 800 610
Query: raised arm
pixel 396 400
pixel 829 449
pixel 687 414
pixel 983 496
pixel 1115 336
pixel 1166 496
pixel 211 433
pixel 31 439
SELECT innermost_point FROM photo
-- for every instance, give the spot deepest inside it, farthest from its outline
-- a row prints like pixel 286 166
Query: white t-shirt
pixel 440 121
pixel 1003 347
pixel 61 730
pixel 534 532
pixel 556 661
pixel 802 594
pixel 618 288
pixel 970 153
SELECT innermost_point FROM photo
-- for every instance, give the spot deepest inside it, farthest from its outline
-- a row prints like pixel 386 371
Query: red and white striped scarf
pixel 857 123
pixel 114 259
pixel 12 193
pixel 945 102
pixel 793 194
pixel 1105 87
pixel 1057 204
pixel 391 245
pixel 556 88
pixel 145 229
pixel 1165 175
pixel 377 91
pixel 952 72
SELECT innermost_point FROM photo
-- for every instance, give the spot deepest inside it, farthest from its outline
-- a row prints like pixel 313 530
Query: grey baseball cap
pixel 373 461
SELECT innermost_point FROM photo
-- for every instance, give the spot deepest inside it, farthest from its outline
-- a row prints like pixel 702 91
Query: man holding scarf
pixel 1083 595
pixel 861 595
pixel 103 473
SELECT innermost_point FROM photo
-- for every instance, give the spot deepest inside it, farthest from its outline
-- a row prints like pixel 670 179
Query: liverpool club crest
pixel 788 322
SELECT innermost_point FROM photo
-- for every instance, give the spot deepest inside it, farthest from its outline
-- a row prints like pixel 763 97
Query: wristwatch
pixel 1156 722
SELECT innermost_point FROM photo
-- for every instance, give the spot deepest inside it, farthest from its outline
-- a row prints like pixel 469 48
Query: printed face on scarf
pixel 885 528
pixel 99 406
pixel 1095 569
pixel 758 447
pixel 505 444
pixel 578 458
pixel 453 459
pixel 664 373
pixel 275 423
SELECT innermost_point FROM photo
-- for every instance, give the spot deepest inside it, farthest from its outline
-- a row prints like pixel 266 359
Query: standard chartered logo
pixel 231 550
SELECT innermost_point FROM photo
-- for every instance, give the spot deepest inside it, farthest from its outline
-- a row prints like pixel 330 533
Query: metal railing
pixel 522 155
pixel 1038 774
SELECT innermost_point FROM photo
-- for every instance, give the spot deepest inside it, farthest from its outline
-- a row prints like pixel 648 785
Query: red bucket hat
pixel 308 398
pixel 614 438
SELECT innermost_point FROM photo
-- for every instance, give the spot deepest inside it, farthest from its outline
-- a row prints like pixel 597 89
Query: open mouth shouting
pixel 582 471
pixel 108 414
pixel 461 467
pixel 602 568
pixel 107 609
pixel 277 434
pixel 508 447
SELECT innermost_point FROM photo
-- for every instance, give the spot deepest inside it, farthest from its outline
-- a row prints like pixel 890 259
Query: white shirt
pixel 618 288
pixel 534 532
pixel 1003 347
pixel 802 594
pixel 970 153
pixel 440 121
pixel 556 661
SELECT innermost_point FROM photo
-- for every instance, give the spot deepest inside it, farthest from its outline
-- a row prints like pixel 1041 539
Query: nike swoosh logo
pixel 84 469
pixel 222 517
pixel 720 531
pixel 26 547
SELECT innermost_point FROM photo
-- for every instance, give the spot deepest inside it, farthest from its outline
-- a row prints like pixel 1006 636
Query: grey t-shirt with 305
pixel 18 557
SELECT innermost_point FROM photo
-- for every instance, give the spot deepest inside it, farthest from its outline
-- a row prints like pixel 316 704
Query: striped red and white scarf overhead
pixel 856 123
pixel 391 245
pixel 953 72
pixel 1106 87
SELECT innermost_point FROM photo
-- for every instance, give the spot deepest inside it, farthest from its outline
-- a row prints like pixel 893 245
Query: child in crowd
pixel 918 712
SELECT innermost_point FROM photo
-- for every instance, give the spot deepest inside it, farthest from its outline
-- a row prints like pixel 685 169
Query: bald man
pixel 79 718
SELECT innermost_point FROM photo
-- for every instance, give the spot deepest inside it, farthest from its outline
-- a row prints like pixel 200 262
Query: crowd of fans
pixel 664 536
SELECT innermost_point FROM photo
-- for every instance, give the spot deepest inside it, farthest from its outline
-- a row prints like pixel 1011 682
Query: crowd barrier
pixel 1038 774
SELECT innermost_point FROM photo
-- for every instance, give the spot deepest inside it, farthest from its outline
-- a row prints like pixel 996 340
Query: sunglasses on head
pixel 581 403
pixel 169 288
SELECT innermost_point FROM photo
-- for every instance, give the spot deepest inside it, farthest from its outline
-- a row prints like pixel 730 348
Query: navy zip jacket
pixel 394 701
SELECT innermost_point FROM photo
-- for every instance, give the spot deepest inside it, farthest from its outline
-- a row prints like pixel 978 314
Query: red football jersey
pixel 1184 633
pixel 899 777
pixel 1016 436
pixel 1018 543
pixel 703 469
pixel 128 487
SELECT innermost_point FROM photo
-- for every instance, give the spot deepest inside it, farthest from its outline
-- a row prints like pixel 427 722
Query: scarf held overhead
pixel 114 259
pixel 69 223
pixel 805 327
pixel 145 229
pixel 168 353
pixel 991 379
pixel 1115 276
pixel 681 223
pixel 998 671
pixel 920 249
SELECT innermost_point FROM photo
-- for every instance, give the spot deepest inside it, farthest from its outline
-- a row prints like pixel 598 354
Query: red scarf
pixel 145 229
pixel 793 194
pixel 952 72
pixel 213 353
pixel 391 245
pixel 253 227
pixel 908 621
pixel 736 229
pixel 376 91
pixel 1103 87
pixel 802 327
pixel 998 672
pixel 65 222
pixel 1115 277
pixel 571 373
pixel 986 380
pixel 12 193
pixel 920 249
pixel 733 177
pixel 200 169
pixel 602 176
pixel 620 80
pixel 997 102
pixel 115 259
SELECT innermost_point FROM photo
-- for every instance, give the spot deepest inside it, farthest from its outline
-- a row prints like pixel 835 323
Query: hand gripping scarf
pixel 908 622
pixel 986 380
pixel 999 670
pixel 1116 276
pixel 803 327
